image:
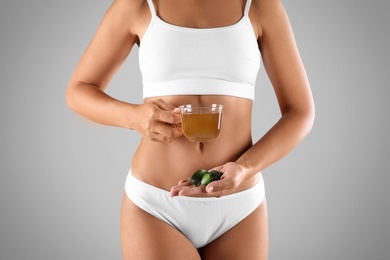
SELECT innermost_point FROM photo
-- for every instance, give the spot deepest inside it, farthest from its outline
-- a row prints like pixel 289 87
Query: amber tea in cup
pixel 201 124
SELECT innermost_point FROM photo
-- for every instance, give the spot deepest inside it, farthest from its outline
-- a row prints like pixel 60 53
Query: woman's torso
pixel 164 165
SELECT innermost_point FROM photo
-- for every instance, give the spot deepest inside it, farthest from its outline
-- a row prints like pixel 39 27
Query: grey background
pixel 61 176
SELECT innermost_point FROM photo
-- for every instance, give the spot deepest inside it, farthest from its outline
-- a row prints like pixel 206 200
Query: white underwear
pixel 201 220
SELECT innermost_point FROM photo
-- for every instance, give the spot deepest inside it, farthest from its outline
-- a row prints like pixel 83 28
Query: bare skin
pixel 174 157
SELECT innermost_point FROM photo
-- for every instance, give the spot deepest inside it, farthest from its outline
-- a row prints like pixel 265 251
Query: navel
pixel 201 146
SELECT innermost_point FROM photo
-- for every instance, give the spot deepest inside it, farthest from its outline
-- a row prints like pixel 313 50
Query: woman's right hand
pixel 157 121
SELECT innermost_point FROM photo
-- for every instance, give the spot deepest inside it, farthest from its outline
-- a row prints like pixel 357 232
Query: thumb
pixel 214 186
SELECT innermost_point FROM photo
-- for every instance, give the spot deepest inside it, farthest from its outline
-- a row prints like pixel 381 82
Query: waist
pixel 196 86
pixel 164 165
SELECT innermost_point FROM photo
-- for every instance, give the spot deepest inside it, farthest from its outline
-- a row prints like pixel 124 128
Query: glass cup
pixel 201 124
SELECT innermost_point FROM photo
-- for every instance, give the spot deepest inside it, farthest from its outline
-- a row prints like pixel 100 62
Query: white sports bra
pixel 177 60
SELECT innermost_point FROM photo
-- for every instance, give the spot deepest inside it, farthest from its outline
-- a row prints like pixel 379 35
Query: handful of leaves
pixel 203 177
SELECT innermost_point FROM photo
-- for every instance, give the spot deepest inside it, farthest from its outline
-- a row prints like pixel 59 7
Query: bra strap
pixel 247 7
pixel 151 7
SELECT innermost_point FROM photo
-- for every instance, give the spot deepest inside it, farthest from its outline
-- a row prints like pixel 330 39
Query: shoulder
pixel 130 6
pixel 129 13
pixel 266 15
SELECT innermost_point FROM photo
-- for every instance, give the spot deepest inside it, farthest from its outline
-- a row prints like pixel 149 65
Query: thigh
pixel 247 240
pixel 145 237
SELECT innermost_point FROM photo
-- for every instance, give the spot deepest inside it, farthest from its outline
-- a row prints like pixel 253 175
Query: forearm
pixel 97 106
pixel 283 137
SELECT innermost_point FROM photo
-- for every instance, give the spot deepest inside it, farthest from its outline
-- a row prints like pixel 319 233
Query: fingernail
pixel 210 189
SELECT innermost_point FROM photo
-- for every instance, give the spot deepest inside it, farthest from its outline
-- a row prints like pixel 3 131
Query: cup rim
pixel 208 106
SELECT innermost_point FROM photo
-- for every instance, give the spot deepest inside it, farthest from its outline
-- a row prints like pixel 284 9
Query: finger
pixel 158 137
pixel 169 114
pixel 186 182
pixel 177 188
pixel 192 191
pixel 181 184
pixel 164 105
pixel 167 132
pixel 168 117
pixel 165 112
pixel 219 186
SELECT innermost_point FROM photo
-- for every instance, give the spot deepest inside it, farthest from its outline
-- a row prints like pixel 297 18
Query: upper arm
pixel 111 44
pixel 281 58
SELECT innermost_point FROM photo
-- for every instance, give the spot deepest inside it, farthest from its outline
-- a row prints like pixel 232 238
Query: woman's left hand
pixel 233 175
